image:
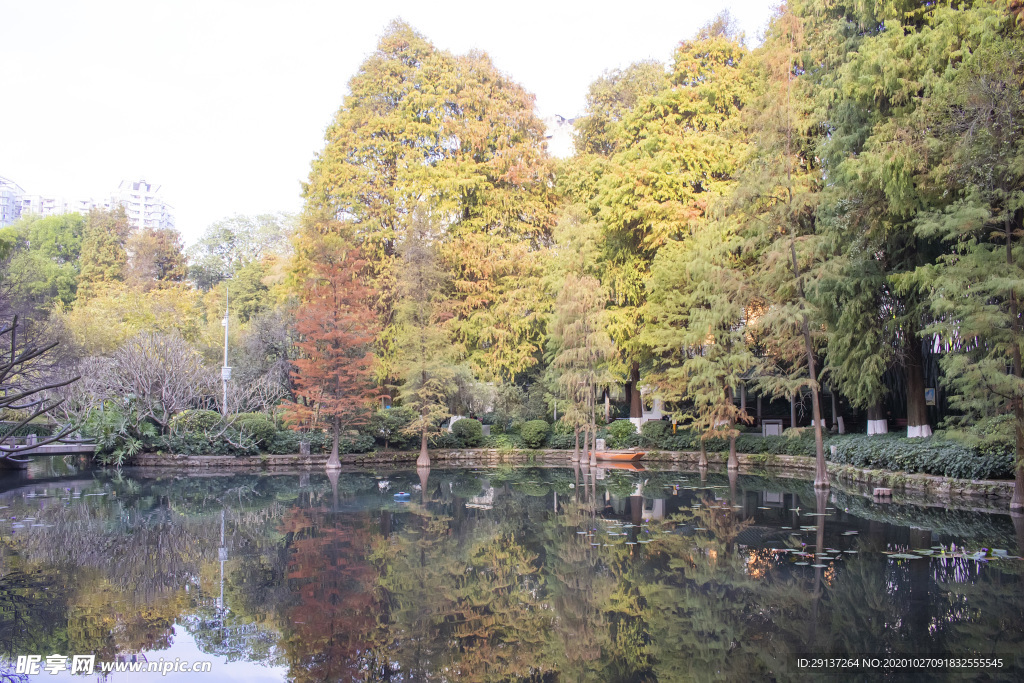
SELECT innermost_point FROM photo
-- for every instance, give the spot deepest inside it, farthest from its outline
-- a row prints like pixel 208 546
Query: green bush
pixel 257 426
pixel 195 420
pixel 534 433
pixel 504 442
pixel 621 434
pixel 654 432
pixel 930 456
pixel 468 433
pixel 387 428
pixel 287 443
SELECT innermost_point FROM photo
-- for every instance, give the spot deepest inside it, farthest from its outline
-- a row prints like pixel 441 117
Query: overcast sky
pixel 224 102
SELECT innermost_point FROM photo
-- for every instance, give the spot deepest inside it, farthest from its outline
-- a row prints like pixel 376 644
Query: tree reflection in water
pixel 508 574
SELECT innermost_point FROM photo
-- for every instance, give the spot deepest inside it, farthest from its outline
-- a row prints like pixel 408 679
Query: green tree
pixel 775 205
pixel 976 288
pixel 233 243
pixel 583 351
pixel 44 259
pixel 425 359
pixel 610 98
pixel 697 304
pixel 678 150
pixel 104 258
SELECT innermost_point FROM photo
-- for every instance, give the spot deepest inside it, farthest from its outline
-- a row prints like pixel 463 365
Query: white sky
pixel 224 102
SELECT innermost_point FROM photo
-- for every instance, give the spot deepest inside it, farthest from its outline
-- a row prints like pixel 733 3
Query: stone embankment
pixel 994 493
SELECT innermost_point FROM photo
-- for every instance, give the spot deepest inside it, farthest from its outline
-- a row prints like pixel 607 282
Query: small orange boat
pixel 620 456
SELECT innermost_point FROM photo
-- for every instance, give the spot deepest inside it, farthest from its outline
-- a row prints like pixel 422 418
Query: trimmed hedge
pixel 930 456
pixel 534 433
pixel 468 433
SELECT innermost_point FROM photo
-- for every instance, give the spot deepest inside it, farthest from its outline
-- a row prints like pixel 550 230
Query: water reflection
pixel 509 574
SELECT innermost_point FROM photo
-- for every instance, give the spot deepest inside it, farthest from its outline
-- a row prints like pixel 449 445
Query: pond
pixel 505 574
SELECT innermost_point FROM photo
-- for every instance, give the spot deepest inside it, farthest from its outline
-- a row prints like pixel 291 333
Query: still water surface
pixel 507 574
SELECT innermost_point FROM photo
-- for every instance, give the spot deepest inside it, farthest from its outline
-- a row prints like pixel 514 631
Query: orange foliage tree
pixel 336 328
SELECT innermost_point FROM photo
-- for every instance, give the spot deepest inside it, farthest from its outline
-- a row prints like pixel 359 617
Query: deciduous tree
pixel 336 326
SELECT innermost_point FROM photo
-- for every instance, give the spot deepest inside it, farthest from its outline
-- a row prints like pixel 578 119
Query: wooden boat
pixel 620 456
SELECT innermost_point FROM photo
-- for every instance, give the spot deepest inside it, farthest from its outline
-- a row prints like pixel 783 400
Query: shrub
pixel 504 442
pixel 195 420
pixel 653 433
pixel 468 433
pixel 287 443
pixel 386 426
pixel 930 456
pixel 257 426
pixel 534 432
pixel 443 439
pixel 621 434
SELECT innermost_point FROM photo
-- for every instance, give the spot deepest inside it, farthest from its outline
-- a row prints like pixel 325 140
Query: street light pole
pixel 225 372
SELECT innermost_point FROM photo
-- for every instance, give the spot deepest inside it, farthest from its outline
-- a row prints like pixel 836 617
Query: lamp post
pixel 225 371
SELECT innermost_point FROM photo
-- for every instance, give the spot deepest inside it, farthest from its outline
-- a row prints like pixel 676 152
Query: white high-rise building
pixel 10 201
pixel 141 200
pixel 145 207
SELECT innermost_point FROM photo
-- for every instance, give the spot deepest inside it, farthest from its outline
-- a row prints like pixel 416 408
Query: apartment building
pixel 142 201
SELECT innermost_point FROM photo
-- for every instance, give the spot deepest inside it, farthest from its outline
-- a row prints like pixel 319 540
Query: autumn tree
pixel 424 127
pixel 336 326
pixel 425 361
pixel 154 257
pixel 104 257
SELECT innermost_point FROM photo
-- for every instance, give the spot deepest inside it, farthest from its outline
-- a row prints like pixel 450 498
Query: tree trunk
pixel 734 462
pixel 333 463
pixel 636 403
pixel 820 468
pixel 877 423
pixel 917 409
pixel 576 447
pixel 1017 502
pixel 792 410
pixel 424 459
pixel 607 407
pixel 703 461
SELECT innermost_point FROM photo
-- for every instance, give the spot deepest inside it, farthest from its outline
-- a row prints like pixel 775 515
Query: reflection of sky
pixel 184 647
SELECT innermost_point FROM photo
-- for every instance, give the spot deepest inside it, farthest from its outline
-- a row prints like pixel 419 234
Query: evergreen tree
pixel 976 288
pixel 696 308
pixel 584 350
pixel 678 150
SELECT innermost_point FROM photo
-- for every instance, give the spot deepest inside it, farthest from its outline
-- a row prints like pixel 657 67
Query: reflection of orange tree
pixel 472 609
pixel 333 618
